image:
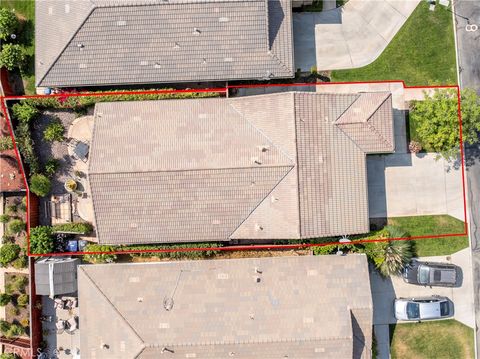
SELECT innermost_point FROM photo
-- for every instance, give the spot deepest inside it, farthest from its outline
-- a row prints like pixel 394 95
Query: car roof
pixel 429 310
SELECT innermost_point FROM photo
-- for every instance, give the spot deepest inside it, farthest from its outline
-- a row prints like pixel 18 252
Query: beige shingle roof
pixel 264 167
pixel 218 307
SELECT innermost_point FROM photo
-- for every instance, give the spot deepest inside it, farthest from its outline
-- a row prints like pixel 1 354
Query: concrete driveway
pixel 384 291
pixel 404 184
pixel 353 35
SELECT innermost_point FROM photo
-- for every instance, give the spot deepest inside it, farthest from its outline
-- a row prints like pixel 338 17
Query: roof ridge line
pixel 260 131
pixel 94 7
pixel 261 201
pixel 373 128
pixel 194 170
pixel 114 308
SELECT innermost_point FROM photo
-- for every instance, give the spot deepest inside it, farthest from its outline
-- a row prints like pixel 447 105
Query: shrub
pixel 41 240
pixel 8 23
pixel 21 262
pixel 321 250
pixel 23 112
pixel 11 209
pixel 54 132
pixel 51 167
pixel 414 147
pixel 40 185
pixel 4 218
pixel 9 356
pixel 22 300
pixel 8 253
pixel 11 56
pixel 81 228
pixel 13 311
pixel 100 258
pixel 5 299
pixel 16 226
pixel 26 148
pixel 6 143
pixel 14 331
pixel 24 323
pixel 19 283
pixel 4 326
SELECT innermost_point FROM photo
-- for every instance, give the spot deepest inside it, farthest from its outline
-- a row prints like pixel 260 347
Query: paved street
pixel 468 46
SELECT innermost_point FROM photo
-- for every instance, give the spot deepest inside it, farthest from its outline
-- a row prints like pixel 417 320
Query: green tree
pixel 5 299
pixel 11 56
pixel 40 185
pixel 8 253
pixel 16 226
pixel 41 240
pixel 21 262
pixel 4 326
pixel 54 132
pixel 8 23
pixel 24 112
pixel 436 121
pixel 4 218
pixel 6 143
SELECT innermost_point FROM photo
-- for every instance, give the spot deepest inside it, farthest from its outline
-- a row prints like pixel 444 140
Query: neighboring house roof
pixel 296 307
pixel 101 42
pixel 262 167
pixel 54 276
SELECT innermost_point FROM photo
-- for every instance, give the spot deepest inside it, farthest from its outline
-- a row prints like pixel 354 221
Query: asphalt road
pixel 467 14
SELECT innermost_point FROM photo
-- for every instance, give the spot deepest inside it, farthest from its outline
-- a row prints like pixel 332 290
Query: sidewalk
pixel 351 36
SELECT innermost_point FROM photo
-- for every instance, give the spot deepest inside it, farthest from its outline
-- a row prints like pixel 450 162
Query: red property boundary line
pixel 225 91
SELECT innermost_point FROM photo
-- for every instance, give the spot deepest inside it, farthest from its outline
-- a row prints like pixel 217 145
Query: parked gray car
pixel 431 274
pixel 424 308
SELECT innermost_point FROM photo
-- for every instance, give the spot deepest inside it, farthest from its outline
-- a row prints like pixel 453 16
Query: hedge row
pixel 177 254
pixel 80 228
pixel 82 102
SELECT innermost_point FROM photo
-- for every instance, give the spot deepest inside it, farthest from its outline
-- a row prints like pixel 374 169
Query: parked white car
pixel 424 308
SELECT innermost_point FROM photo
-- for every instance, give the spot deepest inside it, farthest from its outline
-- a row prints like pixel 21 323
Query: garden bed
pixel 13 250
pixel 17 310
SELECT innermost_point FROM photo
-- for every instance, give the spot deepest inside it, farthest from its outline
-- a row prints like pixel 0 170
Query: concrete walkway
pixel 404 184
pixel 351 36
pixel 385 290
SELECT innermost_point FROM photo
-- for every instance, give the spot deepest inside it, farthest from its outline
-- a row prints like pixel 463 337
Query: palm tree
pixel 392 256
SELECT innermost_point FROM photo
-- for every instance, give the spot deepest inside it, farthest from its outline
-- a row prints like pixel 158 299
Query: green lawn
pixel 445 339
pixel 25 10
pixel 421 53
pixel 433 225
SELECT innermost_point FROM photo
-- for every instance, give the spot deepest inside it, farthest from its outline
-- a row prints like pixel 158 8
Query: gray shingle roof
pixel 99 42
pixel 55 276
pixel 219 308
pixel 262 167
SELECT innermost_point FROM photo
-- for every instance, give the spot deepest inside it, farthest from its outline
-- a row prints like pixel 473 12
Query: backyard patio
pixel 70 199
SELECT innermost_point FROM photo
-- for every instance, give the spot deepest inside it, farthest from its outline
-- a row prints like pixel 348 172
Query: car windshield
pixel 413 310
pixel 444 309
pixel 423 273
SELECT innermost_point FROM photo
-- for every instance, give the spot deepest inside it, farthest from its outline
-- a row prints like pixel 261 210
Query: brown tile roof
pixel 262 167
pixel 219 307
